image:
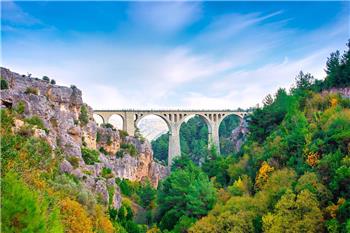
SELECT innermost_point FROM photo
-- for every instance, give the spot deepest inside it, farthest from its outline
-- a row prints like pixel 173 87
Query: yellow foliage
pixel 334 102
pixel 223 195
pixel 312 159
pixel 101 222
pixel 205 225
pixel 153 229
pixel 74 217
pixel 332 209
pixel 263 174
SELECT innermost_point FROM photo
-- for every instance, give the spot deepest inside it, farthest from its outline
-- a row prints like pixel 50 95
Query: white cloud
pixel 165 17
pixel 12 13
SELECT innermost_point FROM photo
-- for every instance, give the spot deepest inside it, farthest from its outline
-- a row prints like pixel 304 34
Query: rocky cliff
pixel 238 135
pixel 69 126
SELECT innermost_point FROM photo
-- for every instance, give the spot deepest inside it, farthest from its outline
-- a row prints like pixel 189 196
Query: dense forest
pixel 291 175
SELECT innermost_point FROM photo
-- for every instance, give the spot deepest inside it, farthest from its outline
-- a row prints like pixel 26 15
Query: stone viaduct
pixel 174 119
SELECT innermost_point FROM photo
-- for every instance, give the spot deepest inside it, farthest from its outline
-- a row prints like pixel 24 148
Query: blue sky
pixel 172 54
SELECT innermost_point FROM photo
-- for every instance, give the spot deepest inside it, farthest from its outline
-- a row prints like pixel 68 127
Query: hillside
pixel 52 148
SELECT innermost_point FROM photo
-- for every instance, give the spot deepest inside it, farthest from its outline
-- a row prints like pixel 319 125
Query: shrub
pixel 73 87
pixel 83 117
pixel 32 90
pixel 35 120
pixel 4 84
pixel 75 217
pixel 22 210
pixel 129 148
pixel 119 154
pixel 107 125
pixel 20 107
pixel 53 82
pixel 74 161
pixel 123 134
pixel 106 173
pixel 103 151
pixel 89 156
pixel 46 79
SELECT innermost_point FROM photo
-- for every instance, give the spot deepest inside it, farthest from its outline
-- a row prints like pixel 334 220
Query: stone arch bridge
pixel 174 119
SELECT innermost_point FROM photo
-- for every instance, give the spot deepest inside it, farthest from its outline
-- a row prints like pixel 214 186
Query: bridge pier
pixel 213 137
pixel 174 143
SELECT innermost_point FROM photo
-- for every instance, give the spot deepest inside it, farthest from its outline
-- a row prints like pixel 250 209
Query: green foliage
pixel 106 172
pixel 160 147
pixel 20 107
pixel 338 69
pixel 129 148
pixel 74 161
pixel 53 82
pixel 186 192
pixel 37 121
pixel 194 139
pixel 300 213
pixel 23 210
pixel 123 134
pixel 3 84
pixel 90 156
pixel 46 79
pixel 83 117
pixel 31 90
pixel 147 195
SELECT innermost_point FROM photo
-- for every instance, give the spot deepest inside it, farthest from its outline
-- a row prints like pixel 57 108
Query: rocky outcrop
pixel 238 135
pixel 60 109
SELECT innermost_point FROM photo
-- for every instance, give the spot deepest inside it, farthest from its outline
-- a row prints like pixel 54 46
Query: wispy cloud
pixel 11 13
pixel 165 17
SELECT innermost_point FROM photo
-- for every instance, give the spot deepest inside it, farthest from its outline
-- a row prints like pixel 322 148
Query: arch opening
pixel 117 121
pixel 98 119
pixel 155 129
pixel 229 134
pixel 194 141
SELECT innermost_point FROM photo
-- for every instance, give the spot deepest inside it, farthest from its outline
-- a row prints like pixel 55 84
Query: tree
pixel 186 192
pixel 83 117
pixel 23 210
pixel 3 83
pixel 46 79
pixel 294 213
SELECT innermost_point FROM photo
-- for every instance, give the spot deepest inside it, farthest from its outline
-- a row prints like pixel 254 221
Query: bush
pixel 75 217
pixel 53 82
pixel 119 154
pixel 107 125
pixel 4 84
pixel 22 210
pixel 46 79
pixel 73 87
pixel 129 148
pixel 74 161
pixel 32 90
pixel 103 151
pixel 20 107
pixel 90 157
pixel 106 173
pixel 35 120
pixel 83 117
pixel 123 134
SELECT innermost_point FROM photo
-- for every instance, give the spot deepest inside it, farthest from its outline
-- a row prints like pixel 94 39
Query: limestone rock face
pixel 59 108
pixel 108 139
pixel 238 135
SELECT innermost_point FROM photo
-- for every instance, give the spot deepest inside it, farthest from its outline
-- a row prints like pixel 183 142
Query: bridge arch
pixel 139 117
pixel 98 118
pixel 202 116
pixel 117 120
